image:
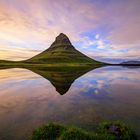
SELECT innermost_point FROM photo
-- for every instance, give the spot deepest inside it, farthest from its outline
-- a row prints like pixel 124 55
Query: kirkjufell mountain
pixel 62 51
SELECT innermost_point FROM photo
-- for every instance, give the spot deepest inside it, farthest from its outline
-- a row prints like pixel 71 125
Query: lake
pixel 84 98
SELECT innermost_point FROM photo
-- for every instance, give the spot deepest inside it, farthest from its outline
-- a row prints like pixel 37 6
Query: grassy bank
pixel 105 131
pixel 22 64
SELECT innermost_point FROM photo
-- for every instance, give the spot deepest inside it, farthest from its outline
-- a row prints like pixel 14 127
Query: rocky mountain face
pixel 62 39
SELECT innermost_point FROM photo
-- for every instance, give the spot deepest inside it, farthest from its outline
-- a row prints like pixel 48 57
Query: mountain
pixel 62 51
pixel 131 63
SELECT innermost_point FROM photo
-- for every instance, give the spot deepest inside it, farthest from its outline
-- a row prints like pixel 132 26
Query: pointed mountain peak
pixel 62 35
pixel 61 40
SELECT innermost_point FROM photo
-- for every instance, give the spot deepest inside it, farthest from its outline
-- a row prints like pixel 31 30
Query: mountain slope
pixel 61 51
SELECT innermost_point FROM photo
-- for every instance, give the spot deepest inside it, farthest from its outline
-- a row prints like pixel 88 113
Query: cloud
pixel 109 29
pixel 126 22
pixel 28 22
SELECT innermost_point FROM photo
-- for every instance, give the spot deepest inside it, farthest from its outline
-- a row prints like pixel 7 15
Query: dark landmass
pixel 131 63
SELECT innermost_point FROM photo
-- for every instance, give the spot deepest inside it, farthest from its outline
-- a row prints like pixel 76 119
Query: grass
pixel 54 131
pixel 33 64
pixel 47 66
pixel 118 129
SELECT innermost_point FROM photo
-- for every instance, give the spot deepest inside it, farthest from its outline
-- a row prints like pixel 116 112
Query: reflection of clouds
pixel 13 80
pixel 28 100
pixel 100 83
pixel 101 79
pixel 16 74
pixel 114 73
pixel 22 84
pixel 96 91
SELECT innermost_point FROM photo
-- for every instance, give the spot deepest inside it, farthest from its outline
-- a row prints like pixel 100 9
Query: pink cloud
pixel 28 22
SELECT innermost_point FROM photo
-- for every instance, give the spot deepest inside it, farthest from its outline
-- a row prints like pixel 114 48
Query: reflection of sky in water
pixel 28 100
pixel 100 80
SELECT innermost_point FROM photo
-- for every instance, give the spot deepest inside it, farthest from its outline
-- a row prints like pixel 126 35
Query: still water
pixel 29 98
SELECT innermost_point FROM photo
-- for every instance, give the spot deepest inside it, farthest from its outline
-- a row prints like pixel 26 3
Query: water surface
pixel 31 98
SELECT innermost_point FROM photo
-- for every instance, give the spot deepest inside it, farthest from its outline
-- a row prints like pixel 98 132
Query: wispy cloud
pixel 97 28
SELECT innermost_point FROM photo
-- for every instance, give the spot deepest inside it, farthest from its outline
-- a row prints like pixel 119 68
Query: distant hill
pixel 131 63
pixel 62 51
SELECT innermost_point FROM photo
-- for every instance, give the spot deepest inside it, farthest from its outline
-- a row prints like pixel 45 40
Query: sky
pixel 106 30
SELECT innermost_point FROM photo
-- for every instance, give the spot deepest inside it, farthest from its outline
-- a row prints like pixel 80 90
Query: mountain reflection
pixel 27 100
pixel 62 78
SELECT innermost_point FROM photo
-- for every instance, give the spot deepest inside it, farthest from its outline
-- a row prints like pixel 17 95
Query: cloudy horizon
pixel 105 30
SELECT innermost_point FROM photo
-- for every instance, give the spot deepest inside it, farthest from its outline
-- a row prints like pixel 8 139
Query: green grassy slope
pixel 60 55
